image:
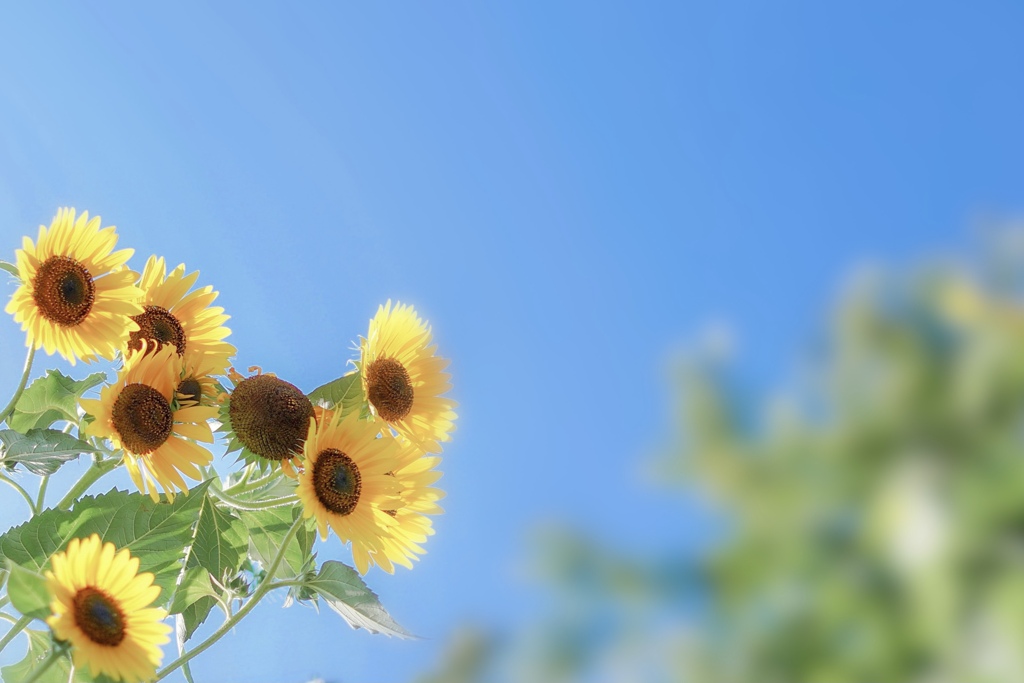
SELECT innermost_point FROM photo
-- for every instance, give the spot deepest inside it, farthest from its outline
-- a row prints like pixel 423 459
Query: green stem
pixel 42 494
pixel 55 654
pixel 98 469
pixel 17 487
pixel 18 627
pixel 7 617
pixel 265 587
pixel 265 482
pixel 231 501
pixel 21 386
pixel 245 485
pixel 246 475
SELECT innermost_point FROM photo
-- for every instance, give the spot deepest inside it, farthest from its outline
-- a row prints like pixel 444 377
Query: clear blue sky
pixel 568 191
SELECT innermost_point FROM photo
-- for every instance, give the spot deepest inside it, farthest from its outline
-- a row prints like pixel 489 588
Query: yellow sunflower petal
pixel 174 316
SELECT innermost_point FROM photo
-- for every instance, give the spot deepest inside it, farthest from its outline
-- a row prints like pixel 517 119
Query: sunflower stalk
pixel 245 484
pixel 41 495
pixel 18 487
pixel 17 628
pixel 230 623
pixel 6 413
pixel 90 477
pixel 252 506
pixel 243 479
pixel 56 653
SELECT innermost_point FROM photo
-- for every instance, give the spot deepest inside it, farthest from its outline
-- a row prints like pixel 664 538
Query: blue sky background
pixel 568 191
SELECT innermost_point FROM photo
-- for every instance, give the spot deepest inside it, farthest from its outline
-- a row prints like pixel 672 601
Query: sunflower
pixel 414 476
pixel 346 483
pixel 173 315
pixel 403 379
pixel 102 605
pixel 76 297
pixel 267 419
pixel 197 385
pixel 138 413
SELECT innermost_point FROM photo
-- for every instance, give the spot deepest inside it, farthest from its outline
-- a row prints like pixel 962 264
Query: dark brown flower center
pixel 336 481
pixel 389 389
pixel 159 325
pixel 63 291
pixel 99 616
pixel 142 418
pixel 270 416
pixel 189 391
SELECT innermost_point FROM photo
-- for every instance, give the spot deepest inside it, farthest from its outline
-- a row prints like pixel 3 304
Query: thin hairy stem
pixel 18 627
pixel 98 469
pixel 56 653
pixel 17 487
pixel 41 496
pixel 6 412
pixel 265 587
pixel 233 502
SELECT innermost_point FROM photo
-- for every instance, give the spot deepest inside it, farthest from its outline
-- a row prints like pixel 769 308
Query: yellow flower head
pixel 346 483
pixel 198 385
pixel 102 605
pixel 139 414
pixel 404 380
pixel 76 297
pixel 185 320
pixel 267 418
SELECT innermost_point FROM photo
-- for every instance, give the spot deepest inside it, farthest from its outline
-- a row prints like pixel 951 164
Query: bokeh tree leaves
pixel 866 520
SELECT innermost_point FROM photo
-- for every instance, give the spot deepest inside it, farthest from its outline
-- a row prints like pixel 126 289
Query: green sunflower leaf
pixel 344 591
pixel 10 268
pixel 217 549
pixel 52 397
pixel 156 533
pixel 345 391
pixel 41 451
pixel 267 529
pixel 220 542
pixel 195 585
pixel 194 599
pixel 28 592
pixel 194 615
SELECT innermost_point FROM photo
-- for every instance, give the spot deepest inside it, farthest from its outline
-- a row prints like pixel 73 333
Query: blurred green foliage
pixel 876 520
pixel 872 516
